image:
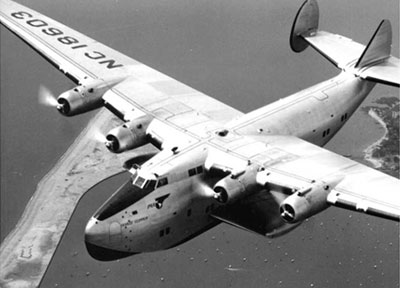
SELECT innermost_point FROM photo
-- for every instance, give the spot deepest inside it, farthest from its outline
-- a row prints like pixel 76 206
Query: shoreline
pixel 28 249
pixel 376 162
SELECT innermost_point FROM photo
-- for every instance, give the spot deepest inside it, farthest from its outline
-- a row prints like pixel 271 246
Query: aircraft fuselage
pixel 134 220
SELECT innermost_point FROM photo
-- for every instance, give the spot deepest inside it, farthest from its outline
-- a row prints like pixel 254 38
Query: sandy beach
pixel 27 251
pixel 377 163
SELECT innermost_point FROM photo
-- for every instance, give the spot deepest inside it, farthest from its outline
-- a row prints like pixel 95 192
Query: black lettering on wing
pixel 111 64
pixel 52 31
pixel 20 15
pixel 68 40
pixel 95 55
pixel 79 46
pixel 36 23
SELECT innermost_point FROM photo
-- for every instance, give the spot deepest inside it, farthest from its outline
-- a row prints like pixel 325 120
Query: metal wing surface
pixel 362 189
pixel 297 163
pixel 346 53
pixel 144 89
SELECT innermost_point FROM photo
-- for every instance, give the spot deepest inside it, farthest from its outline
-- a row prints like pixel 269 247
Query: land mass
pixel 385 154
pixel 27 251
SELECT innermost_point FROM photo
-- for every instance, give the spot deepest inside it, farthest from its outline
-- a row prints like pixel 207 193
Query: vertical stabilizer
pixel 305 23
pixel 373 62
pixel 379 47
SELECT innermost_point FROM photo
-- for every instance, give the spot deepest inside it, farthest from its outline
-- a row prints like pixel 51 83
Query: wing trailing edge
pixel 350 201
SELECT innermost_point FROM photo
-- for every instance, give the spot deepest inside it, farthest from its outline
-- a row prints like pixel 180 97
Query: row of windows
pixel 150 184
pixel 165 231
pixel 326 132
pixel 194 171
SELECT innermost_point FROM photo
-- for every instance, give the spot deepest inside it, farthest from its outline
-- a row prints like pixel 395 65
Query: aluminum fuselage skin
pixel 315 114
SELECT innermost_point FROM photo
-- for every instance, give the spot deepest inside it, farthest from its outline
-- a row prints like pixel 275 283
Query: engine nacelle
pixel 236 185
pixel 85 97
pixel 308 201
pixel 130 135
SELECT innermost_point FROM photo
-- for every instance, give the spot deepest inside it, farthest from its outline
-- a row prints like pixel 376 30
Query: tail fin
pixel 372 62
pixel 305 23
pixel 378 48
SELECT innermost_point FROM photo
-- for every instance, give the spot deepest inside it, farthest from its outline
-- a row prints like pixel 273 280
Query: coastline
pixel 29 248
pixel 368 152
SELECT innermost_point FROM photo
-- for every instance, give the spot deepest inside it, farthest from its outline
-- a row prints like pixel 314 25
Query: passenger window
pixel 199 169
pixel 167 230
pixel 161 233
pixel 192 172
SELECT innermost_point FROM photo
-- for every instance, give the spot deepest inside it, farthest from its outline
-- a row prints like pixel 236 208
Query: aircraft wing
pixel 295 163
pixel 144 88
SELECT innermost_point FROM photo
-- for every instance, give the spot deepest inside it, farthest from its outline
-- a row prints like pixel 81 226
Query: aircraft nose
pixel 97 235
pixel 96 232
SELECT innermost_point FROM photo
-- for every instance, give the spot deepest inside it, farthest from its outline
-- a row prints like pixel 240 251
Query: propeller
pixel 98 135
pixel 46 97
pixel 207 191
pixel 111 143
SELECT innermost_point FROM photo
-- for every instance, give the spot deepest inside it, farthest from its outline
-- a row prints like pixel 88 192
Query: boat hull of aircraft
pixel 132 221
pixel 263 171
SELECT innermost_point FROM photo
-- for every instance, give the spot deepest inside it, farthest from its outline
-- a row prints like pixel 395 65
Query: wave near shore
pixel 376 162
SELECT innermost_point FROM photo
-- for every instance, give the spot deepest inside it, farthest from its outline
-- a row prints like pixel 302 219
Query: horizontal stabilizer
pixel 386 72
pixel 372 62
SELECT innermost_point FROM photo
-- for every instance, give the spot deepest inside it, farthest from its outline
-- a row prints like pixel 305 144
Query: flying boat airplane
pixel 264 171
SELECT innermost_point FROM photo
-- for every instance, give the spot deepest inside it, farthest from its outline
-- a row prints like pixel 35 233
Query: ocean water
pixel 237 52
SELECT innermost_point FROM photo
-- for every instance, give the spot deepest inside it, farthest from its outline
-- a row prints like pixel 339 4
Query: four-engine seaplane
pixel 264 171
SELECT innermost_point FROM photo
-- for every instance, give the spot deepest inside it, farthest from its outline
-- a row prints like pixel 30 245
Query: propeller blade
pixel 99 136
pixel 207 191
pixel 46 97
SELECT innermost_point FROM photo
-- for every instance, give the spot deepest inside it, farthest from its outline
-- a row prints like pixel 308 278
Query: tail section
pixel 372 62
pixel 378 48
pixel 305 24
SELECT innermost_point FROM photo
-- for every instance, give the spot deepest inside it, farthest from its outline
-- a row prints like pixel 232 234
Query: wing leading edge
pixel 284 158
pixel 143 88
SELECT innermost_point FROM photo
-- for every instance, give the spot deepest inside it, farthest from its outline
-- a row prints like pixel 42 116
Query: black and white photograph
pixel 199 143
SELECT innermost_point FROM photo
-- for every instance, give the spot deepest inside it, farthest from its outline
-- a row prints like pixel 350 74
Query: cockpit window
pixel 139 181
pixel 150 184
pixel 162 182
pixel 147 183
